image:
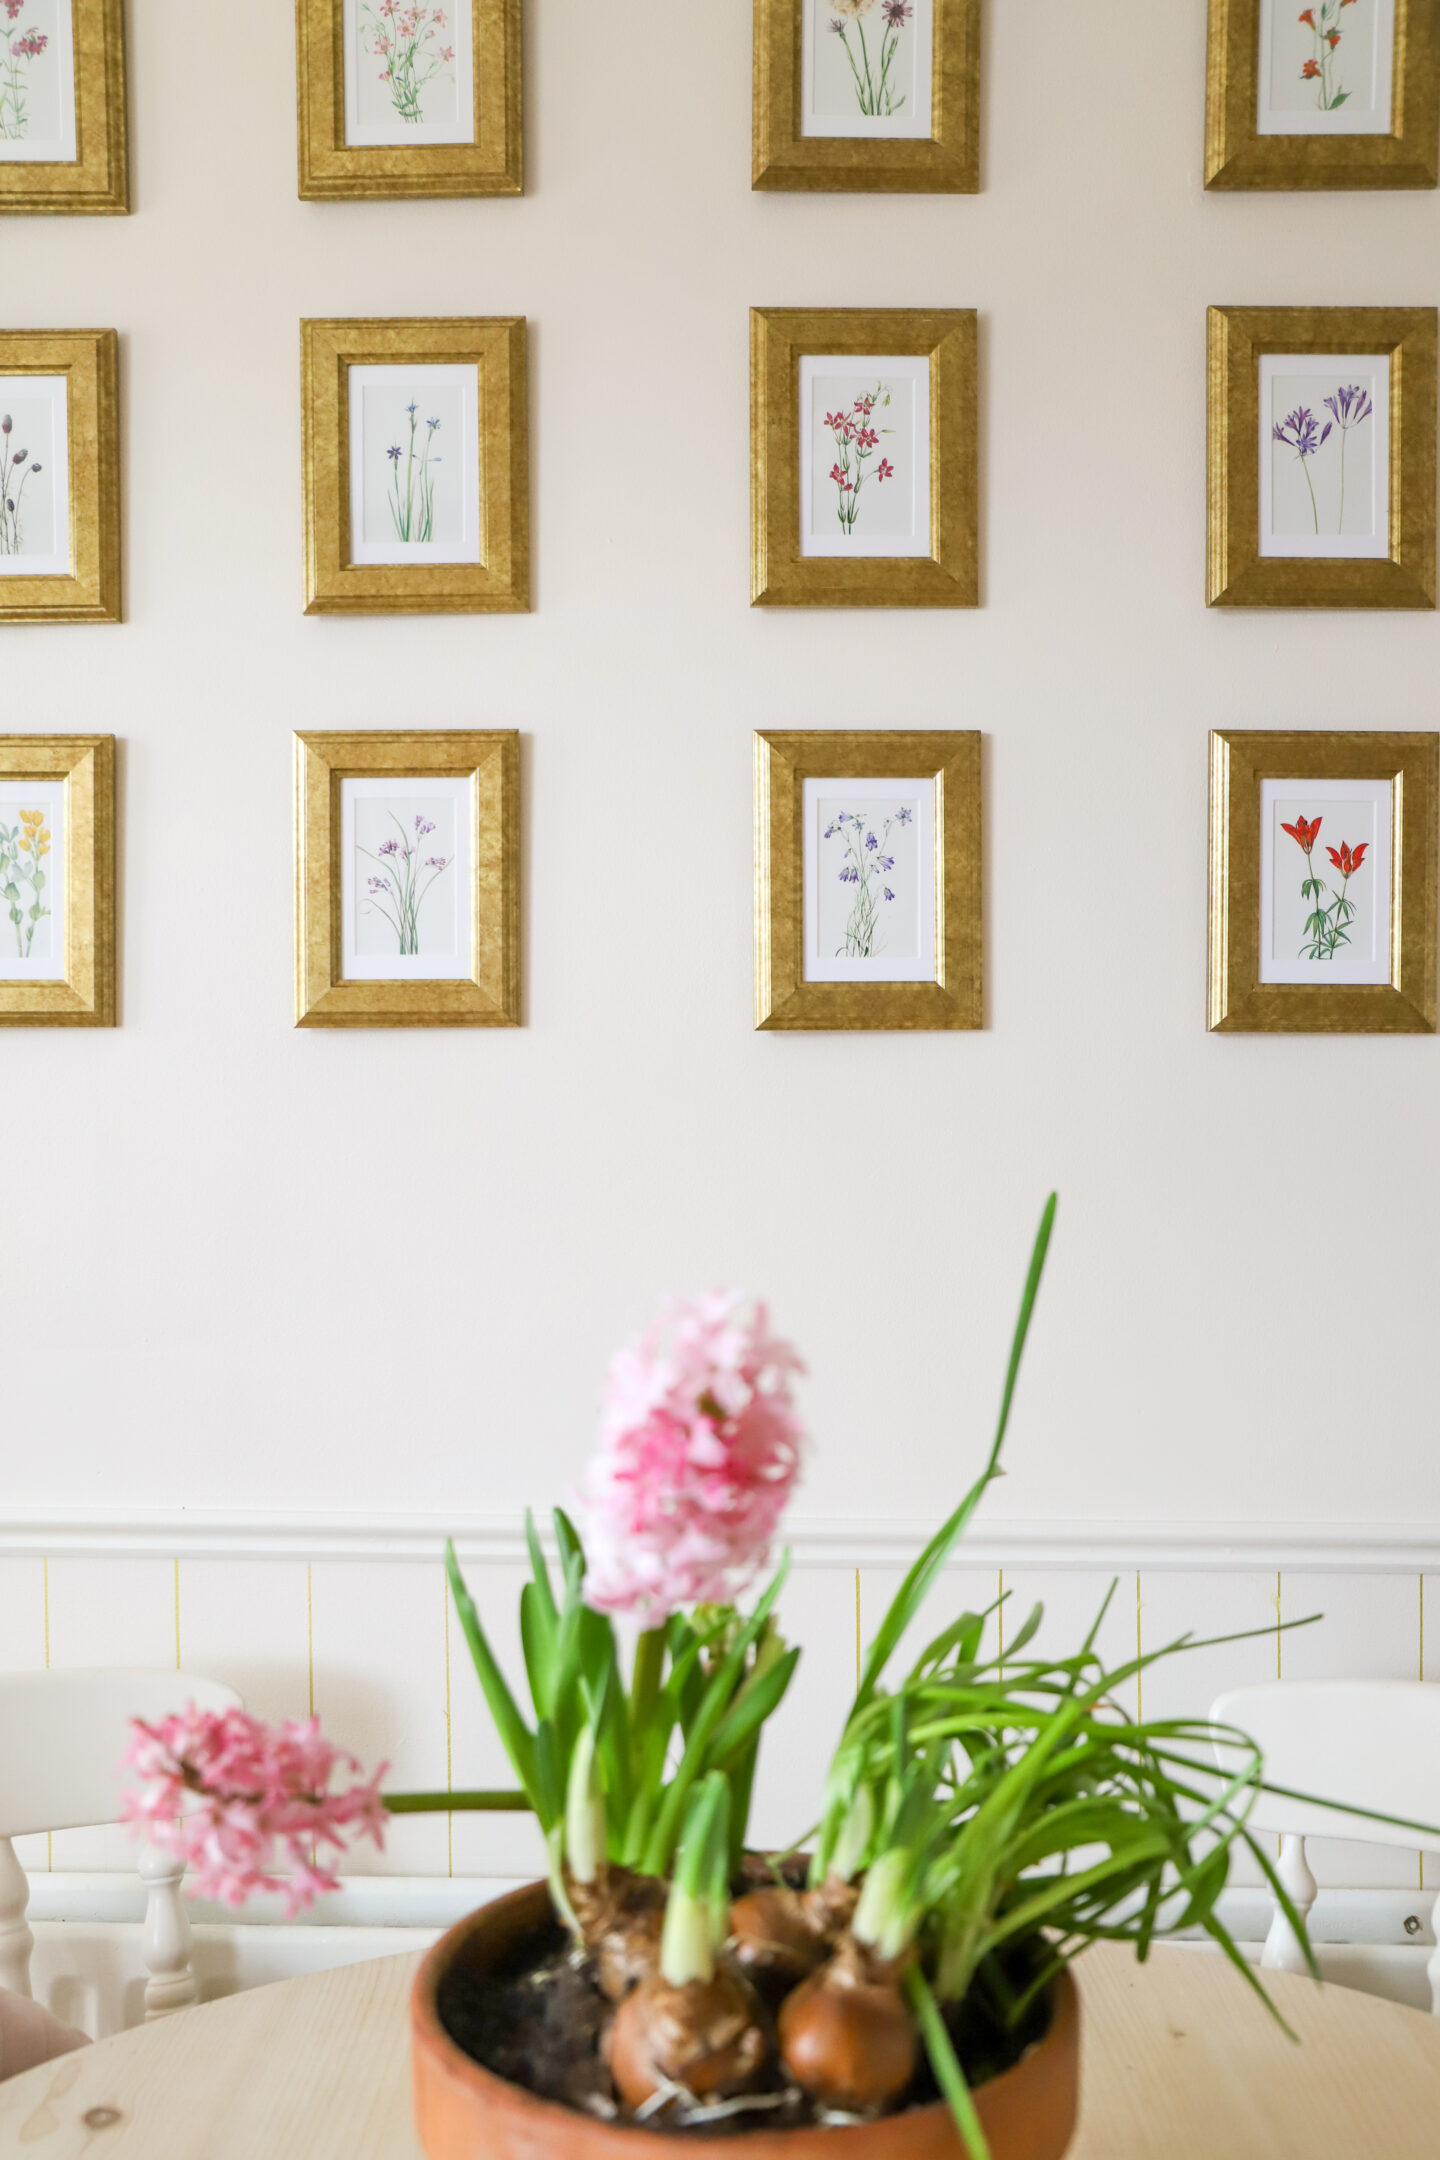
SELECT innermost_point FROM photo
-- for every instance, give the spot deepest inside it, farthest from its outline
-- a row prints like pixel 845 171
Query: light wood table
pixel 1180 2063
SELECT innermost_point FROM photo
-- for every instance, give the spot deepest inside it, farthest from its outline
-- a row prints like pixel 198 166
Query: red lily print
pixel 1310 70
pixel 1307 835
pixel 1309 17
pixel 1347 860
pixel 857 443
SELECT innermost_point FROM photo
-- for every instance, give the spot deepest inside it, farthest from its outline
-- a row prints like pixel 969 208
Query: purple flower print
pixel 400 901
pixel 1350 405
pixel 863 867
pixel 903 816
pixel 1298 433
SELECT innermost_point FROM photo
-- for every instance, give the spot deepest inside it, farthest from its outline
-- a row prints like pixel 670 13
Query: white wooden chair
pixel 62 1736
pixel 1363 1744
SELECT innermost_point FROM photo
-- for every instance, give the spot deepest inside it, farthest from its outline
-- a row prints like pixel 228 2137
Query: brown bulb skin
pixel 846 2034
pixel 774 1939
pixel 704 2036
pixel 621 1918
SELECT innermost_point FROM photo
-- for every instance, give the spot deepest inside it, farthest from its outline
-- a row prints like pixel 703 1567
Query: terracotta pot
pixel 465 2113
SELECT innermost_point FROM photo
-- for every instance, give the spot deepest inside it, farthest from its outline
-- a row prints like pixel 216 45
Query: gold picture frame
pixel 334 170
pixel 497 579
pixel 786 157
pixel 77 774
pixel 782 575
pixel 1238 574
pixel 1401 998
pixel 89 512
pixel 95 180
pixel 483 769
pixel 1237 155
pixel 949 989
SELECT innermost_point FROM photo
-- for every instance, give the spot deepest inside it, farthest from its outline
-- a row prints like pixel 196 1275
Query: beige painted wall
pixel 201 1302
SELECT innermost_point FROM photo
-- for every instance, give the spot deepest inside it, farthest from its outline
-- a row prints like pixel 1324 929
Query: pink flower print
pixel 13 7
pixel 404 37
pixel 447 52
pixel 839 478
pixel 884 470
pixel 857 441
pixel 30 46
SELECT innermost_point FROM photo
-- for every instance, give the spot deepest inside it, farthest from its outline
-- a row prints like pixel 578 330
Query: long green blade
pixel 515 1735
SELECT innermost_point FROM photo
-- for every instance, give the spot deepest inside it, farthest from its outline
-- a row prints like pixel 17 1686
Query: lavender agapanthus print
pixel 405 876
pixel 868 871
pixel 1323 452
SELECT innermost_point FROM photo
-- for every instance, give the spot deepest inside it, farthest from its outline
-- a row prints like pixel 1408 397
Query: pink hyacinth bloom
pixel 237 1800
pixel 700 1449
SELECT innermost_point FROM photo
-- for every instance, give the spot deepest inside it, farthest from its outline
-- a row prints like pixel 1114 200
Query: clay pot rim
pixel 551 2120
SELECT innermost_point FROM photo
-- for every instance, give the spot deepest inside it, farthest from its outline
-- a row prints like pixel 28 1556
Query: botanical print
pixel 878 94
pixel 415 475
pixel 21 470
pixel 24 853
pixel 1302 433
pixel 21 45
pixel 867 867
pixel 857 438
pixel 412 492
pixel 1325 68
pixel 409 48
pixel 1325 880
pixel 1324 468
pixel 404 851
pixel 864 456
pixel 1332 912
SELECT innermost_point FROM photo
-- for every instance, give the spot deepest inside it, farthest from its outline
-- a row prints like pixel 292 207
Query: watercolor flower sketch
pixel 1332 913
pixel 875 92
pixel 398 889
pixel 20 47
pixel 1303 433
pixel 856 442
pixel 406 40
pixel 19 469
pixel 867 866
pixel 412 508
pixel 23 849
pixel 1321 69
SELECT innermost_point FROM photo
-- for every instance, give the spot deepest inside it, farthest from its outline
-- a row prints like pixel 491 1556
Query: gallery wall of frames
pixel 545 555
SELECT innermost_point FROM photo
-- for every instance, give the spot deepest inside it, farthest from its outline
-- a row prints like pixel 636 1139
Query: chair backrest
pixel 1367 1744
pixel 62 1736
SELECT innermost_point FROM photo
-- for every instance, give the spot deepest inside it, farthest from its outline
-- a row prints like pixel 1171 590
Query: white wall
pixel 200 1309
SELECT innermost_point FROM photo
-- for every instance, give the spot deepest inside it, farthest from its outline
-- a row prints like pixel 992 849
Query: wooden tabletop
pixel 1179 2063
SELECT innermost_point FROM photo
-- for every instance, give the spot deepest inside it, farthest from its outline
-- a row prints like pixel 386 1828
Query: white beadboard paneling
pixel 245 1622
pixel 489 1844
pixel 817 1610
pixel 378 1640
pixel 22 1649
pixel 108 1612
pixel 1371 1631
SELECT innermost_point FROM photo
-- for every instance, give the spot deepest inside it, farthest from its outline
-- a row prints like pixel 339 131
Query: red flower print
pixel 1310 70
pixel 1347 860
pixel 1332 39
pixel 884 470
pixel 1309 17
pixel 839 478
pixel 1305 834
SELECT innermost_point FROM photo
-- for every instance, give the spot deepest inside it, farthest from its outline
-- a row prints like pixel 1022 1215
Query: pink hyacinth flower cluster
pixel 248 1806
pixel 700 1449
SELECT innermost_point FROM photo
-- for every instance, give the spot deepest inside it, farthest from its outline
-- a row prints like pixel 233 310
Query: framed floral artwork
pixel 416 467
pixel 881 96
pixel 62 108
pixel 57 881
pixel 60 498
pixel 863 457
pixel 407 879
pixel 1323 94
pixel 1323 860
pixel 867 880
pixel 402 99
pixel 1322 457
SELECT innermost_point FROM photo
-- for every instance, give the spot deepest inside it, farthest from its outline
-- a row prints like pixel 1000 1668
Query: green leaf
pixel 515 1735
pixel 945 2063
pixel 744 1719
